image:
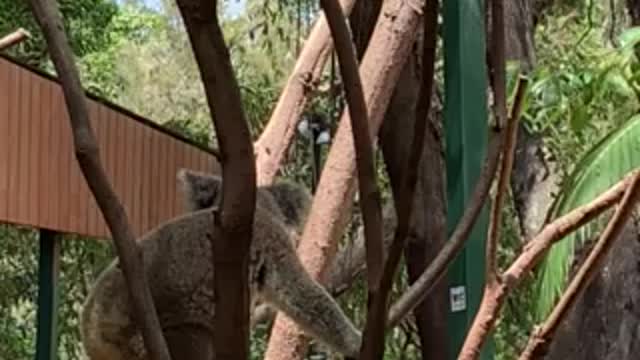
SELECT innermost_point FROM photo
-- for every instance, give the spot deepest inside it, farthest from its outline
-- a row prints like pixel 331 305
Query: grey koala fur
pixel 288 200
pixel 177 261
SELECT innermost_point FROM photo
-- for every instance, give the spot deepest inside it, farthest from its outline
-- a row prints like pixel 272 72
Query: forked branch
pixel 540 339
pixel 88 156
pixel 533 252
pixel 274 141
pixel 500 143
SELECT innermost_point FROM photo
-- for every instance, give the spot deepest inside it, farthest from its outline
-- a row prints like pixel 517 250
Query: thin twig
pixel 14 38
pixel 504 175
pixel 539 342
pixel 420 289
pixel 88 156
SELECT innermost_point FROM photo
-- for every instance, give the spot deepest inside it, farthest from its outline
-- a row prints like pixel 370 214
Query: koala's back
pixel 177 261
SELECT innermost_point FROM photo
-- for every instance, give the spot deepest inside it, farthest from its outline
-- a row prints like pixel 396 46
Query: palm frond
pixel 604 165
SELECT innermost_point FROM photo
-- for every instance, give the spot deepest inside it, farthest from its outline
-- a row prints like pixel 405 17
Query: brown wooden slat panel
pixel 181 157
pixel 145 188
pixel 46 181
pixel 14 144
pixel 136 198
pixel 40 180
pixel 35 161
pixel 24 127
pixel 54 159
pixel 166 180
pixel 68 167
pixel 5 85
pixel 114 130
pixel 76 182
pixel 127 159
pixel 154 182
pixel 173 170
pixel 159 179
pixel 121 160
pixel 92 211
pixel 102 124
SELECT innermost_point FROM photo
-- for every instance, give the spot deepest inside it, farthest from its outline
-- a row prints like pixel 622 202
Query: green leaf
pixel 604 165
pixel 630 37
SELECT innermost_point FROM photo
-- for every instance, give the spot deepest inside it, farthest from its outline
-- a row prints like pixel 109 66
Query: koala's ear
pixel 201 190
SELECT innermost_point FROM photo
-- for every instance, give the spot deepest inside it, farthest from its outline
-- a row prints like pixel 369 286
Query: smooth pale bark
pixel 271 147
pixel 380 69
pixel 14 38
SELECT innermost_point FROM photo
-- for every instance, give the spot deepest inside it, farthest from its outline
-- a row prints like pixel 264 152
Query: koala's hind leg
pixel 106 327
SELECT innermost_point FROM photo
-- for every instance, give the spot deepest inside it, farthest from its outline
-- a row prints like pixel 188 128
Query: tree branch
pixel 421 288
pixel 88 156
pixel 392 39
pixel 532 254
pixel 233 228
pixel 540 339
pixel 369 194
pixel 275 139
pixel 14 38
pixel 373 343
pixel 500 112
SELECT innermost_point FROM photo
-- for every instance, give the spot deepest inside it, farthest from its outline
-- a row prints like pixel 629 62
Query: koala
pixel 177 261
pixel 287 200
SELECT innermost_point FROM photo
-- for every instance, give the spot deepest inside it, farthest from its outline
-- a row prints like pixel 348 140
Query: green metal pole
pixel 48 269
pixel 466 141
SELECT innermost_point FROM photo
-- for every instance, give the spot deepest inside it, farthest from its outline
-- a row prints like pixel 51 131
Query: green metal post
pixel 48 269
pixel 466 142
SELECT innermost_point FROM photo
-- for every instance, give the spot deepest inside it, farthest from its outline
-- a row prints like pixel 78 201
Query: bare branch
pixel 532 254
pixel 420 289
pixel 88 157
pixel 14 38
pixel 233 228
pixel 540 339
pixel 373 343
pixel 504 176
pixel 498 74
pixel 275 139
pixel 369 195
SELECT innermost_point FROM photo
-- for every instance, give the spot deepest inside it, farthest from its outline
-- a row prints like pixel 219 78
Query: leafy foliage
pixel 605 164
pixel 583 101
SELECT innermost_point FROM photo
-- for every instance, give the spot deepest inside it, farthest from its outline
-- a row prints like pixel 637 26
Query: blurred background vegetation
pixel 584 95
